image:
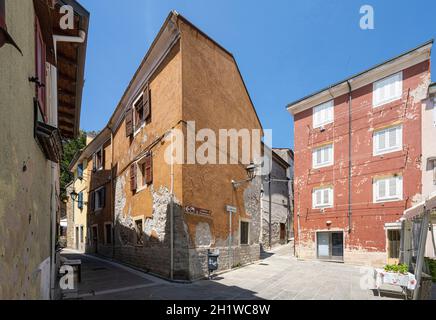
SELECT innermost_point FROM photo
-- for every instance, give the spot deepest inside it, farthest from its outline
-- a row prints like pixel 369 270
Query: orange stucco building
pixel 166 215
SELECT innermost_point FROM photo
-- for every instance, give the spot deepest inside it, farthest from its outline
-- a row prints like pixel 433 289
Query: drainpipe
pixel 80 39
pixel 112 193
pixel 349 159
pixel 172 211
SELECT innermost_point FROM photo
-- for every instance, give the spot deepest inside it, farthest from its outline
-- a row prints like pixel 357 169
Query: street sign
pixel 231 209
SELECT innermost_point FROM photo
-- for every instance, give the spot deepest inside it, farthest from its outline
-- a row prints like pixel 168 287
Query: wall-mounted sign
pixel 197 211
pixel 231 209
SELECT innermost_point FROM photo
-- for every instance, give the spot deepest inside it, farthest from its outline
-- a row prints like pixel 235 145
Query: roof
pixel 347 80
pixel 70 63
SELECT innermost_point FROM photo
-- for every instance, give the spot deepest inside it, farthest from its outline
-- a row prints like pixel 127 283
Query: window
pixel 388 89
pixel 145 176
pixel 80 171
pixel 434 172
pixel 108 233
pixel 388 140
pixel 323 114
pixel 394 238
pixel 434 111
pixel 244 232
pixel 139 113
pixel 139 232
pixel 98 160
pixel 388 189
pixel 80 201
pixel 322 198
pixel 99 199
pixel 323 156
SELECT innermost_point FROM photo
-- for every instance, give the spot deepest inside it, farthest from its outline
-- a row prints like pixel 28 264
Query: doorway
pixel 77 238
pixel 330 246
pixel 95 239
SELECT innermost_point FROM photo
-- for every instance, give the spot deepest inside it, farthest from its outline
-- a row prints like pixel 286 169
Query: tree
pixel 71 147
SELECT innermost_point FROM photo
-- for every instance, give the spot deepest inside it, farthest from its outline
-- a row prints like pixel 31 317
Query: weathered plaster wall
pixel 70 217
pixel 280 206
pixel 368 219
pixel 215 98
pixel 152 204
pixel 24 171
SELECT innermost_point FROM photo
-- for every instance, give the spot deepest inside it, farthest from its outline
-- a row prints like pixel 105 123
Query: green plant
pixel 397 268
pixel 432 267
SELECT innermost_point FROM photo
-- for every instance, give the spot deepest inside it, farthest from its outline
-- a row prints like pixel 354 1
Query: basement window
pixel 388 89
pixel 245 226
pixel 322 198
pixel 388 140
pixel 323 114
pixel 388 189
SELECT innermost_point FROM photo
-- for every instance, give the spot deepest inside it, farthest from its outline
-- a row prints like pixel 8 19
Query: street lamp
pixel 74 195
pixel 251 174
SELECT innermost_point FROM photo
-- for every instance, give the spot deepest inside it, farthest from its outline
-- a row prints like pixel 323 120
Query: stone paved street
pixel 278 276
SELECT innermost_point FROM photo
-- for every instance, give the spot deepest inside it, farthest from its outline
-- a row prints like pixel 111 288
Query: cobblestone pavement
pixel 277 276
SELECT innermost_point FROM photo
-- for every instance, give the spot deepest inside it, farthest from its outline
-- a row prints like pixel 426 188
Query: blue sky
pixel 285 49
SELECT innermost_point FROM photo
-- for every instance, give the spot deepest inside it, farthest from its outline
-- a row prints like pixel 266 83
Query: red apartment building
pixel 358 161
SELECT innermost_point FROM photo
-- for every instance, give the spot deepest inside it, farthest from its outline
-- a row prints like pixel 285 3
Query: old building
pixel 358 161
pixel 277 206
pixel 40 101
pixel 429 156
pixel 166 214
pixel 93 196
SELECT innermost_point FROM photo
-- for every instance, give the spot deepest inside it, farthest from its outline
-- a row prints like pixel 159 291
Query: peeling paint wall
pixel 368 219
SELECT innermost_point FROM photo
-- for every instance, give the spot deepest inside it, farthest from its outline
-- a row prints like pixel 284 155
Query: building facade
pixel 429 156
pixel 358 161
pixel 168 211
pixel 277 227
pixel 35 115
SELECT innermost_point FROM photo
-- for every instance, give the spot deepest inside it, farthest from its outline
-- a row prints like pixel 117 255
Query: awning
pixel 417 210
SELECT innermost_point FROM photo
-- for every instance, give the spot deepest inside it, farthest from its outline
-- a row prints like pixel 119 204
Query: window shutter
pixel 133 177
pixel 149 169
pixel 94 162
pixel 129 122
pixel 40 58
pixel 146 102
pixel 92 201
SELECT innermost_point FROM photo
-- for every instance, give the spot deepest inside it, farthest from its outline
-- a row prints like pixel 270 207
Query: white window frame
pixel 96 208
pixel 140 175
pixel 375 102
pixel 136 129
pixel 399 138
pixel 388 198
pixel 323 205
pixel 319 109
pixel 321 149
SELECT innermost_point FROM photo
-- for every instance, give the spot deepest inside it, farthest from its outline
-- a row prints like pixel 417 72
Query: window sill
pixel 384 103
pixel 387 200
pixel 382 153
pixel 323 125
pixel 322 166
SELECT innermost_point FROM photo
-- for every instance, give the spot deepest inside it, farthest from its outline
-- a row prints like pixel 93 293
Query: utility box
pixel 212 261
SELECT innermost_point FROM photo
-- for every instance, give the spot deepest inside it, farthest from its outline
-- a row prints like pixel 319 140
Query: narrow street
pixel 279 276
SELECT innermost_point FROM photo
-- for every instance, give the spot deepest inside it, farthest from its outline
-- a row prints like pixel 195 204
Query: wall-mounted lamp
pixel 251 174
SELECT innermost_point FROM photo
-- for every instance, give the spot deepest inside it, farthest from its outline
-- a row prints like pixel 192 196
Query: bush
pixel 431 263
